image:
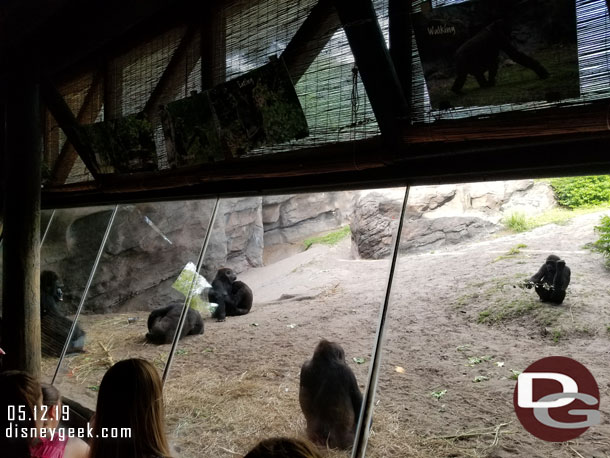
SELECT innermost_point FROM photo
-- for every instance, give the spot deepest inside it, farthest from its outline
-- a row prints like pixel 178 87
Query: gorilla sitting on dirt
pixel 233 297
pixel 55 327
pixel 551 280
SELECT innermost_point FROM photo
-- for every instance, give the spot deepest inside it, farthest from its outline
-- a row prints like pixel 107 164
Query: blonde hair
pixel 284 447
pixel 130 396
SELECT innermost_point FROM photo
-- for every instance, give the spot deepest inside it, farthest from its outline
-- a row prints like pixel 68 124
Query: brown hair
pixel 284 447
pixel 50 395
pixel 17 388
pixel 130 396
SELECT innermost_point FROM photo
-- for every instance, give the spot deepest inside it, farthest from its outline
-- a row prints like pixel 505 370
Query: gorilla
pixel 551 280
pixel 162 323
pixel 329 396
pixel 480 54
pixel 233 297
pixel 54 326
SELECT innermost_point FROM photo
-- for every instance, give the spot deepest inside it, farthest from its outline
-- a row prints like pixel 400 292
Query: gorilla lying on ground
pixel 54 326
pixel 329 396
pixel 233 297
pixel 163 322
pixel 551 280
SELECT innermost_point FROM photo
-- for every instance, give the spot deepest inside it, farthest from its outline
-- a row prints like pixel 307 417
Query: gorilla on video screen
pixel 329 396
pixel 233 297
pixel 163 322
pixel 55 327
pixel 480 54
pixel 551 280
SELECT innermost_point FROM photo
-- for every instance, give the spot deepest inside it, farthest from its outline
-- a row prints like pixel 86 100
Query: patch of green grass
pixel 514 374
pixel 561 215
pixel 608 329
pixel 484 316
pixel 517 222
pixel 512 252
pixel 331 238
pixel 507 311
pixel 556 335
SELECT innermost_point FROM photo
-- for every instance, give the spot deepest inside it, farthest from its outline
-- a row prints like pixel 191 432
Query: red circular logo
pixel 557 399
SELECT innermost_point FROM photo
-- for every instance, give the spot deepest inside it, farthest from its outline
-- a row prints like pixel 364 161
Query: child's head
pixel 131 396
pixel 52 400
pixel 283 447
pixel 17 389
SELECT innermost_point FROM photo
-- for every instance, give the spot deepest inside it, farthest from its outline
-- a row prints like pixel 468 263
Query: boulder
pixel 441 215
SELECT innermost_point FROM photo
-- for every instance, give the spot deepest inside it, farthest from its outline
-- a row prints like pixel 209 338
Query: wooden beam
pixel 213 47
pixel 68 123
pixel 313 35
pixel 89 109
pixel 355 165
pixel 113 90
pixel 374 64
pixel 400 26
pixel 21 247
pixel 172 76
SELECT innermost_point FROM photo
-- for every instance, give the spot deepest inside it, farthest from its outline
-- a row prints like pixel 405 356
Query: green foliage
pixel 559 215
pixel 331 238
pixel 575 192
pixel 517 222
pixel 603 244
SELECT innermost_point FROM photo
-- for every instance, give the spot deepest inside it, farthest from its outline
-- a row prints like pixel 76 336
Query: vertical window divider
pixel 85 292
pixel 189 296
pixel 368 399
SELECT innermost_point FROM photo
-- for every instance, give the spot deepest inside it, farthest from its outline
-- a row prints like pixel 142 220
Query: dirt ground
pixel 239 382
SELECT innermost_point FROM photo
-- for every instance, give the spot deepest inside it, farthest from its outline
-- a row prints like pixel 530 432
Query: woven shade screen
pixel 243 35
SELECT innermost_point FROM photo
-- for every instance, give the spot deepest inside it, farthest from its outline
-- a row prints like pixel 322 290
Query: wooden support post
pixel 401 30
pixel 21 246
pixel 315 32
pixel 68 123
pixel 374 64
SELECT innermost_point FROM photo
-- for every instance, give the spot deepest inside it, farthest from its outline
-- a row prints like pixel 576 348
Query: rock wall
pixel 290 219
pixel 150 244
pixel 441 215
pixel 147 248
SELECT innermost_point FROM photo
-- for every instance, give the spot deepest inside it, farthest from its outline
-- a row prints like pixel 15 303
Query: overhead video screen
pixel 492 53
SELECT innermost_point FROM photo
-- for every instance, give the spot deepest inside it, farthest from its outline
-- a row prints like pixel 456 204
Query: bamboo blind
pixel 247 33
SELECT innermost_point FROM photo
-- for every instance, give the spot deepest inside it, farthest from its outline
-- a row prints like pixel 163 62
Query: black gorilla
pixel 162 323
pixel 233 297
pixel 480 54
pixel 551 280
pixel 54 326
pixel 329 396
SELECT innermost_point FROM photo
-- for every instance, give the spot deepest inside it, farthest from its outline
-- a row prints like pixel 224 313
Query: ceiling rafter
pixel 313 35
pixel 92 104
pixel 374 64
